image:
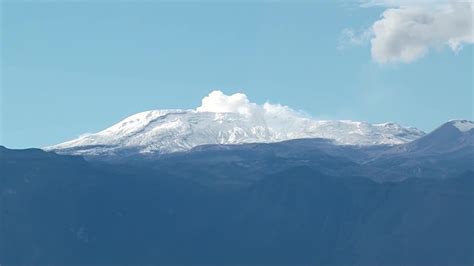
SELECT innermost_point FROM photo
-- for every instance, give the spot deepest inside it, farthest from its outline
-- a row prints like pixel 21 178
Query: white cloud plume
pixel 407 32
pixel 218 102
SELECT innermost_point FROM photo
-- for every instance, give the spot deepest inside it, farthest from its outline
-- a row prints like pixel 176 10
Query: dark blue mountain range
pixel 298 202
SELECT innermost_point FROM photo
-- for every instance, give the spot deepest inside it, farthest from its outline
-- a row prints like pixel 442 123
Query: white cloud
pixel 407 33
pixel 218 102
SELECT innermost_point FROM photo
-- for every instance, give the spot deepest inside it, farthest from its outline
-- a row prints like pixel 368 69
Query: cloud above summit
pixel 408 30
pixel 218 102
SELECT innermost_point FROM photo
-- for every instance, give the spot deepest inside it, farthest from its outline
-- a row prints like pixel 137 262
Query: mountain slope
pixel 60 210
pixel 446 150
pixel 451 136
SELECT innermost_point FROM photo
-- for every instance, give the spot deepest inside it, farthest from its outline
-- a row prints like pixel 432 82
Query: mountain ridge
pixel 224 120
pixel 166 131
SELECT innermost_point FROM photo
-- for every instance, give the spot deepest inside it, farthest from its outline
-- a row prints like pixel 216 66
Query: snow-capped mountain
pixel 223 119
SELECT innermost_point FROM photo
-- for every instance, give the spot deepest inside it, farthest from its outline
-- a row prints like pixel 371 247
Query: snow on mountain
pixel 223 119
pixel 463 125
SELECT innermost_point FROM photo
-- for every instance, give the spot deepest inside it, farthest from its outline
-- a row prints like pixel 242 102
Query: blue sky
pixel 74 67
